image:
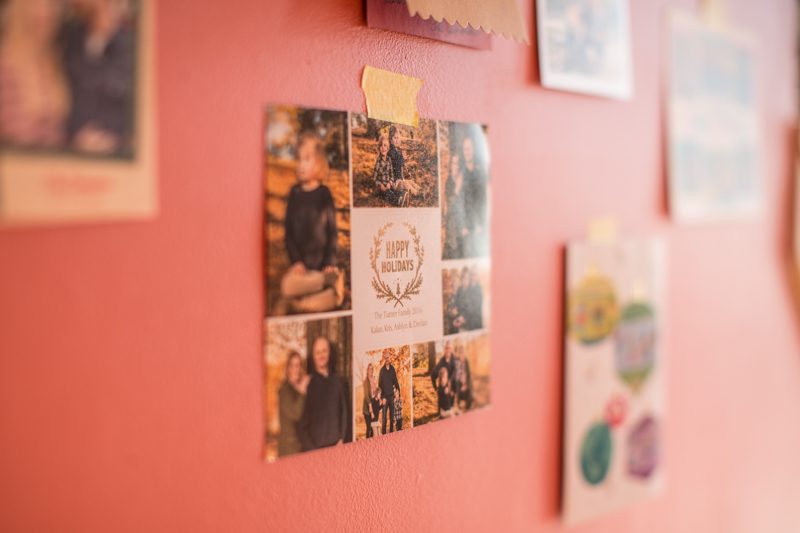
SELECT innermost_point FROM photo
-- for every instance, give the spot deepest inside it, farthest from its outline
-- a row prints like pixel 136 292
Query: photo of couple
pixel 394 165
pixel 450 378
pixel 465 160
pixel 384 395
pixel 307 211
pixel 307 386
pixel 466 304
pixel 68 71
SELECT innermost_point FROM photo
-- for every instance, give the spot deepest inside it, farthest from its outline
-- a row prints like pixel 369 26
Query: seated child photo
pixel 313 282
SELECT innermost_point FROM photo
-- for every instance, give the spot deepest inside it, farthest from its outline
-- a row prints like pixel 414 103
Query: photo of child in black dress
pixel 307 211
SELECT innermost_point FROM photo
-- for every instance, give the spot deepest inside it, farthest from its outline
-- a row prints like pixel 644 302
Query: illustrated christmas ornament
pixel 635 344
pixel 593 309
pixel 596 452
pixel 643 448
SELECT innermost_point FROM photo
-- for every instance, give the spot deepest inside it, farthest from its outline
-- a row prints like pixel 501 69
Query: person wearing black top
pixel 100 64
pixel 475 201
pixel 447 362
pixel 313 282
pixel 324 419
pixel 387 382
pixel 473 311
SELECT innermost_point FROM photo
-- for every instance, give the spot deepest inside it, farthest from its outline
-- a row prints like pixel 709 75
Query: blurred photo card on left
pixel 77 111
pixel 307 211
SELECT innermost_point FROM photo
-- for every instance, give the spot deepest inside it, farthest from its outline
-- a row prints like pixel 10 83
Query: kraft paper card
pixel 393 15
pixel 614 376
pixel 715 138
pixel 585 46
pixel 501 17
pixel 377 278
pixel 391 96
pixel 80 146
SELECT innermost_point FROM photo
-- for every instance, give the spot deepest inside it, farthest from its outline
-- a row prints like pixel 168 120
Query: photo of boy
pixel 393 165
pixel 307 212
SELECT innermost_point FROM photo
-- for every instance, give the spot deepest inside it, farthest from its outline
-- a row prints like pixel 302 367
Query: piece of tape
pixel 391 96
pixel 602 230
pixel 714 11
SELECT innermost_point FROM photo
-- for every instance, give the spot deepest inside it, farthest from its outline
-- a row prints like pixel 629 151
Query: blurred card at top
pixel 394 15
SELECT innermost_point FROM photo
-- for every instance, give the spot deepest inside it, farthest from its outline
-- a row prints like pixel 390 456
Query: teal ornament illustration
pixel 596 452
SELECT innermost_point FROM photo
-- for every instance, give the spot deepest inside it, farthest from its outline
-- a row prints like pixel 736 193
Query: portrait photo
pixel 382 400
pixel 307 387
pixel 394 165
pixel 451 377
pixel 77 110
pixel 307 211
pixel 465 292
pixel 465 162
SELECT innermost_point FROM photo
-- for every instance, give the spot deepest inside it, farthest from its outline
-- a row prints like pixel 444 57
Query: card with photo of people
pixel 585 46
pixel 394 165
pixel 465 297
pixel 376 275
pixel 307 211
pixel 77 110
pixel 451 377
pixel 614 376
pixel 382 400
pixel 308 386
pixel 465 164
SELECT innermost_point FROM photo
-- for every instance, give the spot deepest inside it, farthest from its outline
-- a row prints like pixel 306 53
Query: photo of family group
pixel 307 211
pixel 67 76
pixel 464 169
pixel 394 165
pixel 307 385
pixel 382 400
pixel 451 377
pixel 465 298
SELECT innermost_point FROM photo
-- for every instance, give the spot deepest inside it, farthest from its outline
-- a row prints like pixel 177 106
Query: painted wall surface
pixel 130 354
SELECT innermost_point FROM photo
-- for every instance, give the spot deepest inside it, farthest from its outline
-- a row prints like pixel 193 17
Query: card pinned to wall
pixel 614 383
pixel 391 96
pixel 715 139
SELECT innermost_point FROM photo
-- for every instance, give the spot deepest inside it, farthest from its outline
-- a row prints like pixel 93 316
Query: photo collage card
pixel 377 276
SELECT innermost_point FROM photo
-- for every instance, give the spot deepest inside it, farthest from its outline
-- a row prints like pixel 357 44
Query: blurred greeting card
pixel 714 122
pixel 585 46
pixel 614 376
pixel 377 275
pixel 77 110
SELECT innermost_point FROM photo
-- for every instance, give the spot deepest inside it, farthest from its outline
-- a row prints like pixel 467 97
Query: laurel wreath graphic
pixel 382 289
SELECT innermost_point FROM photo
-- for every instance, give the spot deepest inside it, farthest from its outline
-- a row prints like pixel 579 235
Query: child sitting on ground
pixel 313 282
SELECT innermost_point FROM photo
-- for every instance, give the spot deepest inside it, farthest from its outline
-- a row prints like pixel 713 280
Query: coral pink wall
pixel 130 363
